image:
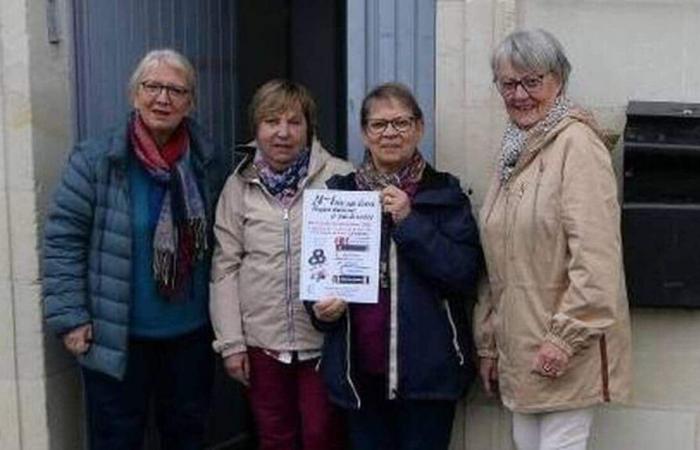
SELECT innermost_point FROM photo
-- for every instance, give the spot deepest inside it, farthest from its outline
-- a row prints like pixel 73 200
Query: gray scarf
pixel 515 139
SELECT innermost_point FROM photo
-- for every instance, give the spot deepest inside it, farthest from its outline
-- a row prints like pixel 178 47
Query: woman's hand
pixel 396 202
pixel 330 310
pixel 550 361
pixel 488 370
pixel 237 367
pixel 78 340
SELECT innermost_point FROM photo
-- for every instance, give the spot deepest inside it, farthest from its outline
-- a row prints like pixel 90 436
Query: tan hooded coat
pixel 255 268
pixel 551 238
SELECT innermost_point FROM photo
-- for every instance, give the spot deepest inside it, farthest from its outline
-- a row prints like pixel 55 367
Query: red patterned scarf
pixel 368 177
pixel 180 236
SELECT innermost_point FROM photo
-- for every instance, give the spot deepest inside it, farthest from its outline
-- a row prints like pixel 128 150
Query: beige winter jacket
pixel 551 238
pixel 255 267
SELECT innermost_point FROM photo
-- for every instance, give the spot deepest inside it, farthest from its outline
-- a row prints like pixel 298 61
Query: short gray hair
pixel 164 56
pixel 532 51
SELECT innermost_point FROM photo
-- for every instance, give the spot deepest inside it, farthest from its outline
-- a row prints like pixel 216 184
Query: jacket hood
pixel 586 117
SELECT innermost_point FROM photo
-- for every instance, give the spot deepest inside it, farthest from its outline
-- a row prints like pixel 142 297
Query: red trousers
pixel 291 406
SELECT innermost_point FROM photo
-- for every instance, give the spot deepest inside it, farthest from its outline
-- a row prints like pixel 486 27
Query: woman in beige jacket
pixel 263 331
pixel 552 324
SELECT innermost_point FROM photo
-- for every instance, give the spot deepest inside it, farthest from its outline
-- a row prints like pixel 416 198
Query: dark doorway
pixel 303 40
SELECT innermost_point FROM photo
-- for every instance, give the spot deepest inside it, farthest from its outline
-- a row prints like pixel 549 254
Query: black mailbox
pixel 661 204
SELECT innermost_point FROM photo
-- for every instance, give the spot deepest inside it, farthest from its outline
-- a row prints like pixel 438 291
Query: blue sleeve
pixel 66 247
pixel 442 243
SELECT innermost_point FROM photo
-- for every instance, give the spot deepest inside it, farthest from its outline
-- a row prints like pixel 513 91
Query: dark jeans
pixel 382 424
pixel 175 375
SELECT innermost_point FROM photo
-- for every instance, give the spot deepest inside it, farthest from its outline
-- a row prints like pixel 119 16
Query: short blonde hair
pixel 279 95
pixel 172 58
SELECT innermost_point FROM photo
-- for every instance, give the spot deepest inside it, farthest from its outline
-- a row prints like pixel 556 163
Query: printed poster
pixel 340 245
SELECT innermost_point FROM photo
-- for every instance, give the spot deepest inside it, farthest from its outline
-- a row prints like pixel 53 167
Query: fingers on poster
pixel 340 245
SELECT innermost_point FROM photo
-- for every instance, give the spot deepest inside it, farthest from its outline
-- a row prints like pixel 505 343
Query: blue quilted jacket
pixel 87 241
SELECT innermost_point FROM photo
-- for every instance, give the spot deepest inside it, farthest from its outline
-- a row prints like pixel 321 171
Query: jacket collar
pixel 318 159
pixel 120 143
pixel 438 188
pixel 434 188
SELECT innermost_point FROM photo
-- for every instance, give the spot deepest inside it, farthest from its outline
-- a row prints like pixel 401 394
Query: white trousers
pixel 561 430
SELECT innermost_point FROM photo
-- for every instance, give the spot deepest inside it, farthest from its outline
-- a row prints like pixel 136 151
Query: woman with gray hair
pixel 552 323
pixel 126 254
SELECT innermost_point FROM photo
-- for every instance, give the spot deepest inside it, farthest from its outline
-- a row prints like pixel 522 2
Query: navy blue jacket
pixel 437 259
pixel 87 241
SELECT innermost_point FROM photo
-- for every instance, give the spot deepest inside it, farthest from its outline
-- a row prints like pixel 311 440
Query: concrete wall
pixel 620 50
pixel 37 382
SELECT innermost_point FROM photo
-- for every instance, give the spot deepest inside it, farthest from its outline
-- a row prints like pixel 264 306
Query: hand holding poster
pixel 340 245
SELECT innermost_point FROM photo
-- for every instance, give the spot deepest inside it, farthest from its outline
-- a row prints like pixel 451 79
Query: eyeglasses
pixel 379 126
pixel 153 89
pixel 530 83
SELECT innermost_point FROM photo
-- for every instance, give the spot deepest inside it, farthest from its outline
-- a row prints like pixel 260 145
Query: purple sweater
pixel 369 337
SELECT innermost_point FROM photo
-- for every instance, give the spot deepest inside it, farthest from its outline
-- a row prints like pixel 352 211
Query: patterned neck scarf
pixel 515 139
pixel 180 236
pixel 283 185
pixel 369 178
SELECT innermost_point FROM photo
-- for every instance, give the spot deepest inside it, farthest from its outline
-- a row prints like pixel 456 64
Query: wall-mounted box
pixel 661 204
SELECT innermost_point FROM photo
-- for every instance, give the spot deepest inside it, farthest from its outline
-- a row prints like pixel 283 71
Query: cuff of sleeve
pixel 560 343
pixel 487 353
pixel 226 349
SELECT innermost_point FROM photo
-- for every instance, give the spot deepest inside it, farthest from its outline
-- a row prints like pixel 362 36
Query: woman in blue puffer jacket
pixel 126 262
pixel 399 365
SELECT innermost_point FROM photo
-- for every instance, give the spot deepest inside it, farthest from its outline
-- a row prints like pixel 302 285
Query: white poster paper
pixel 340 245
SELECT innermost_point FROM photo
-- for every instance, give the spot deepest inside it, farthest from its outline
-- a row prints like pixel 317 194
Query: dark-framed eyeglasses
pixel 530 83
pixel 153 89
pixel 379 126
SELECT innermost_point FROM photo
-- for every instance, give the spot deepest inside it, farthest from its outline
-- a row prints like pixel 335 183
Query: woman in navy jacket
pixel 399 365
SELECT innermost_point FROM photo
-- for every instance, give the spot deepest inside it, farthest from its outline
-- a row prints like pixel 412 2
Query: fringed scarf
pixel 369 178
pixel 283 185
pixel 515 139
pixel 180 237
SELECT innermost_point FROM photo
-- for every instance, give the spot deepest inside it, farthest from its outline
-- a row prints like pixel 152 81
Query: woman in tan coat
pixel 263 332
pixel 552 323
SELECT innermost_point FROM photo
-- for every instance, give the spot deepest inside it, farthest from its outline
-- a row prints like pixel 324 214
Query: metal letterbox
pixel 661 204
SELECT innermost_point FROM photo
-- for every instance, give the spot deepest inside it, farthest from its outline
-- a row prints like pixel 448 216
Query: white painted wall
pixel 39 406
pixel 620 50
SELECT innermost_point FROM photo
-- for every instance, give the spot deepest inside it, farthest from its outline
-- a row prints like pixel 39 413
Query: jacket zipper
pixel 348 360
pixel 393 322
pixel 288 278
pixel 509 223
pixel 453 327
pixel 538 181
pixel 291 335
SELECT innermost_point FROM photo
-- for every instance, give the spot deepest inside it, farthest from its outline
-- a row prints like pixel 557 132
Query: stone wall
pixel 39 407
pixel 620 50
